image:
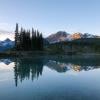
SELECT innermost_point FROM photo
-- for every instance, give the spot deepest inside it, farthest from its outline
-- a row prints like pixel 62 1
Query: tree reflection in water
pixel 26 68
pixel 32 68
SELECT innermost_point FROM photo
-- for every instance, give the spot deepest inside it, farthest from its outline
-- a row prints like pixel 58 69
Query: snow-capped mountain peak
pixel 57 37
pixel 6 44
pixel 64 36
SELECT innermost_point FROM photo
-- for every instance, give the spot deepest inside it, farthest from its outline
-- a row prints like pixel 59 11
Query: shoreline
pixel 43 53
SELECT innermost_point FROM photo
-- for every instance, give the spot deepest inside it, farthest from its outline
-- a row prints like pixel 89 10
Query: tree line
pixel 27 40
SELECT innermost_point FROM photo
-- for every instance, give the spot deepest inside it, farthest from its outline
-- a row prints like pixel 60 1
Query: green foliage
pixel 55 49
pixel 87 45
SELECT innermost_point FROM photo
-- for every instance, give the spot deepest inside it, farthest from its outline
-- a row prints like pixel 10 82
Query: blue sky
pixel 50 16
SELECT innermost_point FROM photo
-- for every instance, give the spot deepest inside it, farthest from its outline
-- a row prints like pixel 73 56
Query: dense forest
pixel 32 40
pixel 27 40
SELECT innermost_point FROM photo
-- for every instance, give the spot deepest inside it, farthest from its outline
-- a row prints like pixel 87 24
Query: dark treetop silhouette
pixel 28 41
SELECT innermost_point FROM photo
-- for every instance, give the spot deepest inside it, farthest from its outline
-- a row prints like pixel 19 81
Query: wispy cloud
pixel 4 36
pixel 6 31
pixel 6 27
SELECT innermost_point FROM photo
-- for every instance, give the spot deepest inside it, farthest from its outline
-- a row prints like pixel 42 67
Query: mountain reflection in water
pixel 33 68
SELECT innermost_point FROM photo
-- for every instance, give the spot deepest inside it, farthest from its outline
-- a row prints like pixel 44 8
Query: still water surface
pixel 50 79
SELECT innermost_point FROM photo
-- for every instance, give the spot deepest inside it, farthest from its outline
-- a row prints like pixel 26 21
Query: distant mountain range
pixel 64 36
pixel 6 44
pixel 53 38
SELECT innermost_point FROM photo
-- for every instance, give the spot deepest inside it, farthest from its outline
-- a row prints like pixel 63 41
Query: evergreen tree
pixel 16 36
pixel 27 41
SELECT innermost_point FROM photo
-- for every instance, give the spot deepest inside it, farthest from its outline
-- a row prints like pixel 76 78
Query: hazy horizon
pixel 11 35
pixel 50 16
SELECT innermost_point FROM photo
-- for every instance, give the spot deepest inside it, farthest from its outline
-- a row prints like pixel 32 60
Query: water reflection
pixel 27 68
pixel 6 61
pixel 33 68
pixel 63 67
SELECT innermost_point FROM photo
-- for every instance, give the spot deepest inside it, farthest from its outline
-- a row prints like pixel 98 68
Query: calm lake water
pixel 54 78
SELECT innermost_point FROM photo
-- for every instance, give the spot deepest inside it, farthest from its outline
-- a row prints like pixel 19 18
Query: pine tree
pixel 21 39
pixel 16 37
pixel 25 40
pixel 33 40
pixel 41 42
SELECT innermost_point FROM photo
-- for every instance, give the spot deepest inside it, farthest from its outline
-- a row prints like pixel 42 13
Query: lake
pixel 50 78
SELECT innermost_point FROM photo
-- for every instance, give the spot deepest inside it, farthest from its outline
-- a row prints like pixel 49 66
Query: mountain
pixel 78 35
pixel 87 35
pixel 63 36
pixel 6 44
pixel 6 61
pixel 59 36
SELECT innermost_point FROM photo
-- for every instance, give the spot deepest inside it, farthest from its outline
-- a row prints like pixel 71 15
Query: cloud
pixel 4 36
pixel 6 31
pixel 6 27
